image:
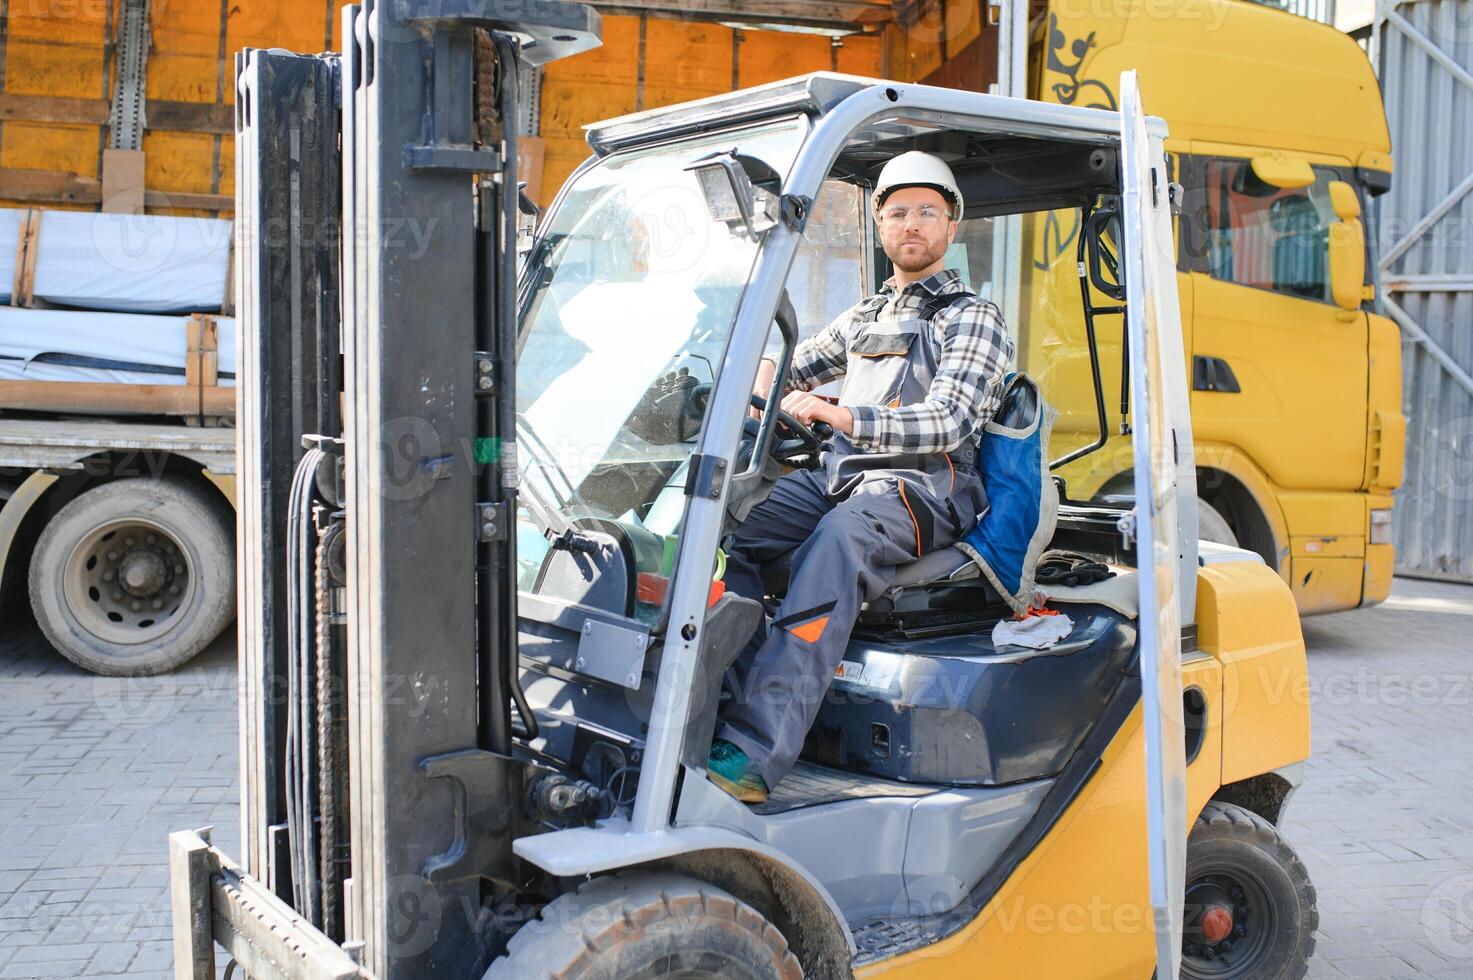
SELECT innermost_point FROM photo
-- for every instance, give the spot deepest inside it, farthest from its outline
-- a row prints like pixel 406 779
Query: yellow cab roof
pixel 1225 72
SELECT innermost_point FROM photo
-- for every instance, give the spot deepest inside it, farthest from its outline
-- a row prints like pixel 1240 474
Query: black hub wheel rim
pixel 1254 924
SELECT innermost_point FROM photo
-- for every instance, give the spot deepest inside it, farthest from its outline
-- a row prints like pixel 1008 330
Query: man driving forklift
pixel 923 363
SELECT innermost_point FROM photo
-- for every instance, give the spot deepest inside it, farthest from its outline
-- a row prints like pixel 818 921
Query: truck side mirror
pixel 1347 245
pixel 1282 171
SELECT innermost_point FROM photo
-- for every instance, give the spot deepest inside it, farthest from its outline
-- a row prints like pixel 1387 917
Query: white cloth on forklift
pixel 1038 632
pixel 1120 592
pixel 122 348
pixel 129 263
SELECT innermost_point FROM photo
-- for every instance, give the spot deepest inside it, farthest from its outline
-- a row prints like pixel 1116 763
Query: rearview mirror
pixel 527 215
pixel 1347 245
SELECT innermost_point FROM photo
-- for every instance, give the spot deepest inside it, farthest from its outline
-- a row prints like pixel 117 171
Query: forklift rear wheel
pixel 1250 906
pixel 646 924
pixel 135 576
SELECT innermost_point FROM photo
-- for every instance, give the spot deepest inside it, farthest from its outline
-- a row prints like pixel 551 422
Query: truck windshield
pixel 631 292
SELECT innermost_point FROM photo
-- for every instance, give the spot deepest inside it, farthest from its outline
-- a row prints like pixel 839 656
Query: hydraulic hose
pixel 494 712
pixel 506 296
pixel 301 714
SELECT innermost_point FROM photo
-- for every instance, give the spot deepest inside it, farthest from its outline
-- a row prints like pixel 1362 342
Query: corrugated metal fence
pixel 1424 54
pixel 1320 10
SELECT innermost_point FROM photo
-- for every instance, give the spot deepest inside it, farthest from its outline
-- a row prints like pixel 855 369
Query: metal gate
pixel 1423 50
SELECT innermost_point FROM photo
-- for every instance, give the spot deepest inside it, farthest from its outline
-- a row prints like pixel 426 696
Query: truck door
pixel 1279 370
pixel 1163 466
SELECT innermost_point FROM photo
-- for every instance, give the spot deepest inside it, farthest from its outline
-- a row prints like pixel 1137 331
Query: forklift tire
pixel 1250 906
pixel 646 924
pixel 136 576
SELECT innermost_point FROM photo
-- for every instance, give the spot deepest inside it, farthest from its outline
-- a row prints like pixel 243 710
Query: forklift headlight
pixel 1381 526
pixel 720 182
pixel 739 191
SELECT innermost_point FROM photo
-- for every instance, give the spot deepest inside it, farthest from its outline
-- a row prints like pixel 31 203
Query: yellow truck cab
pixel 1279 139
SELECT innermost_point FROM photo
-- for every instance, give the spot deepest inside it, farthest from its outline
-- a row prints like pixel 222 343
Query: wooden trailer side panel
pixel 647 62
pixel 56 87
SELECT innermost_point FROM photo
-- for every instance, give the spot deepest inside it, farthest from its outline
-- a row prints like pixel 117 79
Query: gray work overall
pixel 847 526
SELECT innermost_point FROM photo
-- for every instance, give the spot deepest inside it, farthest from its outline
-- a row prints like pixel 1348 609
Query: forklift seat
pixel 942 591
pixel 942 565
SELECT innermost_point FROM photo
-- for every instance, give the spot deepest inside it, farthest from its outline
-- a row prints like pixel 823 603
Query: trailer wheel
pixel 1250 907
pixel 135 576
pixel 645 924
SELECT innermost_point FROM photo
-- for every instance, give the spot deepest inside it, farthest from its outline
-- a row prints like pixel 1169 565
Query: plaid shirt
pixel 975 353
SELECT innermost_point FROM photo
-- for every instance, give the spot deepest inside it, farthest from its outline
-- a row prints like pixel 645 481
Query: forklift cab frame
pixel 1041 156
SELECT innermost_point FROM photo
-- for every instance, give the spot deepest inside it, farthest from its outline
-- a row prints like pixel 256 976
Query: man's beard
pixel 916 261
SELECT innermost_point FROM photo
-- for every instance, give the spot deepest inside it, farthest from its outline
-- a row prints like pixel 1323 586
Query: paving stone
pixel 112 958
pixel 52 970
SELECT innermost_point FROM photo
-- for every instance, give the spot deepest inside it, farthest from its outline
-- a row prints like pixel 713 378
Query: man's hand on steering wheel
pixel 809 409
pixel 794 443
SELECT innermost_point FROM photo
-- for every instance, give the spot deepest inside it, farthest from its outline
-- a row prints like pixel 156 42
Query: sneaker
pixel 729 768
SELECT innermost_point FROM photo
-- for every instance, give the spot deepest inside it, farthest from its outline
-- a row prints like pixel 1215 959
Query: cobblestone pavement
pixel 94 772
pixel 1385 818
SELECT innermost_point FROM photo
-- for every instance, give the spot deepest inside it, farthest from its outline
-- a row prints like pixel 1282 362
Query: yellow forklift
pixel 483 502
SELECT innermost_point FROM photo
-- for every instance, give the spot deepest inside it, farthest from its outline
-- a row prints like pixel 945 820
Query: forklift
pixel 484 492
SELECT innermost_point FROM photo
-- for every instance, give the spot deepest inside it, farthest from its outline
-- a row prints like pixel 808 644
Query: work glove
pixel 667 413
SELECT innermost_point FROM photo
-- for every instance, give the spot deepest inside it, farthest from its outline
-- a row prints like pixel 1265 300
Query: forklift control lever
pixel 572 540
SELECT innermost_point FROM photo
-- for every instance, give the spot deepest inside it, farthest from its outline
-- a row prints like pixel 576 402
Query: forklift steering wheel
pixel 803 442
pixel 795 444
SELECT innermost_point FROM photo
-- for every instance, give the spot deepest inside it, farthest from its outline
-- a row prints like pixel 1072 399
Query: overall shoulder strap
pixel 870 314
pixel 937 305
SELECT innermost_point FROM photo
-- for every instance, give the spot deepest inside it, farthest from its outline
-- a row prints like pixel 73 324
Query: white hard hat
pixel 916 169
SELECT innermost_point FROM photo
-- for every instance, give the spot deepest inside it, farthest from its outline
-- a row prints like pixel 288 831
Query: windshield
pixel 632 291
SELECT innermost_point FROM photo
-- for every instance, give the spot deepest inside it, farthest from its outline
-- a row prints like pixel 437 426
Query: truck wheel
pixel 1212 526
pixel 1250 909
pixel 135 576
pixel 643 924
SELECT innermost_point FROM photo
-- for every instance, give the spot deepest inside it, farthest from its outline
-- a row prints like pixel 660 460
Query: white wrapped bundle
pixel 121 348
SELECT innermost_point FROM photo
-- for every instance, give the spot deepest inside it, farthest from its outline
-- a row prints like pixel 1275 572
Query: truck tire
pixel 644 924
pixel 1212 526
pixel 1250 907
pixel 135 576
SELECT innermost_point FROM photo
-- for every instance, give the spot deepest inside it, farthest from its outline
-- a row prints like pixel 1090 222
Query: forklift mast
pixel 377 206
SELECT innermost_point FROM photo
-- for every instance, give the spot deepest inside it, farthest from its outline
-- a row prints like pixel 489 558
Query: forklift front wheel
pixel 1250 906
pixel 643 924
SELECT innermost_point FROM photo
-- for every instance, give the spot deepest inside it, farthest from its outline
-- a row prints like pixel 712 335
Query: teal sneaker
pixel 729 768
